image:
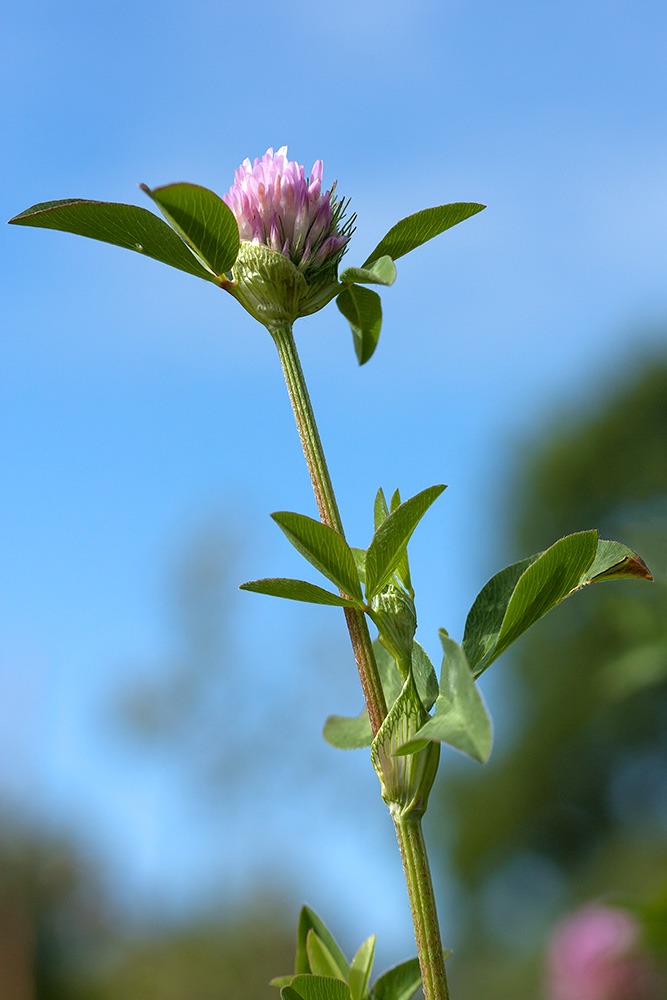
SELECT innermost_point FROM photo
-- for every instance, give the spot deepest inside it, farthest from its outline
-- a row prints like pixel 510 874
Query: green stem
pixel 408 832
pixel 329 513
pixel 422 903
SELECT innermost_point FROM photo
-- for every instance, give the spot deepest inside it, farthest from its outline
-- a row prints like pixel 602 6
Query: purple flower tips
pixel 276 205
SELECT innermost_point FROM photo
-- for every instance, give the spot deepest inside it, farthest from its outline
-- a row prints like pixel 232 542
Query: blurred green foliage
pixel 573 804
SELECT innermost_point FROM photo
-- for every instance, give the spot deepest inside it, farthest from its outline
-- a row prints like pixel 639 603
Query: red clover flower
pixel 292 237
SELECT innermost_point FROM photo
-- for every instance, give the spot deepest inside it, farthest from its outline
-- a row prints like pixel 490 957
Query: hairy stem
pixel 408 832
pixel 329 513
pixel 422 903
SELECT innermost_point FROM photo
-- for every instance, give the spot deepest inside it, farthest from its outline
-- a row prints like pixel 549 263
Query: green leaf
pixel 320 959
pixel 203 220
pixel 389 541
pixel 307 987
pixel 309 920
pixel 362 308
pixel 123 225
pixel 615 561
pixel 324 548
pixel 360 970
pixel 424 674
pixel 348 732
pixel 281 981
pixel 522 593
pixel 359 556
pixel 460 718
pixel 380 509
pixel 420 227
pixel 381 272
pixel 399 983
pixel 380 513
pixel 296 590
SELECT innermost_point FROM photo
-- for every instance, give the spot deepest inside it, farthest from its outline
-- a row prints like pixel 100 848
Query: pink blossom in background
pixel 593 955
pixel 276 205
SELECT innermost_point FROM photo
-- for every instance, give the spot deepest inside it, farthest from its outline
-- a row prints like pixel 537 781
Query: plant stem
pixel 408 831
pixel 422 904
pixel 329 513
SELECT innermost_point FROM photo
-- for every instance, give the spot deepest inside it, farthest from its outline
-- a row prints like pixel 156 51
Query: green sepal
pixel 320 959
pixel 308 987
pixel 416 229
pixel 297 590
pixel 360 969
pixel 309 920
pixel 381 272
pixel 281 981
pixel 519 595
pixel 362 308
pixel 203 220
pixel 125 226
pixel 460 718
pixel 391 538
pixel 324 548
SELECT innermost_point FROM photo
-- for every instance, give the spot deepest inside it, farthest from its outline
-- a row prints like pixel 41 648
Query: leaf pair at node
pixel 323 973
pixel 202 237
pixel 361 306
pixel 348 568
pixel 522 593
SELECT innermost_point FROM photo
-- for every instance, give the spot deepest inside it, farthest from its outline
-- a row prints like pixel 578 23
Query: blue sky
pixel 142 407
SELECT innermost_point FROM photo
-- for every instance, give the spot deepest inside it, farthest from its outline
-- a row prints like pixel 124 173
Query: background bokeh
pixel 161 765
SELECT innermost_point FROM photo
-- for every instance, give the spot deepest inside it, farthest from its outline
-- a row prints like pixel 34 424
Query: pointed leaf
pixel 425 678
pixel 123 225
pixel 203 220
pixel 320 959
pixel 296 590
pixel 362 308
pixel 324 548
pixel 381 272
pixel 380 509
pixel 403 568
pixel 360 970
pixel 519 595
pixel 308 987
pixel 309 920
pixel 420 227
pixel 615 561
pixel 460 718
pixel 399 983
pixel 389 541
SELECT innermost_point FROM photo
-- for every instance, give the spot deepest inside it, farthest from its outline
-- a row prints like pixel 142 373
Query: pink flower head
pixel 276 205
pixel 593 956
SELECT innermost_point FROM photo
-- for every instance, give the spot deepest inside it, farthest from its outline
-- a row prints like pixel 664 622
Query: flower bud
pixel 393 611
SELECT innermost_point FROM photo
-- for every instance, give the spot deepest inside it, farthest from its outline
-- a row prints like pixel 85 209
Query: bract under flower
pixel 278 209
